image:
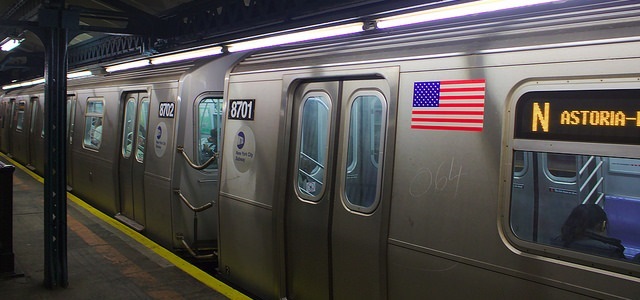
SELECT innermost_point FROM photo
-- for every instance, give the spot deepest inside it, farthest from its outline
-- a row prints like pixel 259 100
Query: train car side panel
pixel 247 228
pixel 92 158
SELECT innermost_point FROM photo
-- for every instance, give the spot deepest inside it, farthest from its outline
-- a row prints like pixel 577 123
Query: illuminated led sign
pixel 598 116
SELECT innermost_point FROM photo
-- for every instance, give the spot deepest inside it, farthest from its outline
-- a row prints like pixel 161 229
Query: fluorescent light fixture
pixel 186 55
pixel 301 36
pixel 42 80
pixel 10 44
pixel 79 74
pixel 453 11
pixel 129 65
pixel 32 82
pixel 11 86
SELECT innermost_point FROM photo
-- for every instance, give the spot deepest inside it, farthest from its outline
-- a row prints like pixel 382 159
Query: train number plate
pixel 242 109
pixel 166 110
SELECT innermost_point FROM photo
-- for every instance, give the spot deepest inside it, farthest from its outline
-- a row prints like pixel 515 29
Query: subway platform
pixel 106 260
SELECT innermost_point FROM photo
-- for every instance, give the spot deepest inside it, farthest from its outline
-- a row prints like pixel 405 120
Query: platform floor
pixel 103 261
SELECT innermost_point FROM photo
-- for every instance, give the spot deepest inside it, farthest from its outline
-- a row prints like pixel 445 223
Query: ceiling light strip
pixel 452 11
pixel 301 36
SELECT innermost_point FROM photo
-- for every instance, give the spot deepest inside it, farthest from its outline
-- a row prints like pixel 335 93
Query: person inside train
pixel 585 231
pixel 96 133
pixel 209 148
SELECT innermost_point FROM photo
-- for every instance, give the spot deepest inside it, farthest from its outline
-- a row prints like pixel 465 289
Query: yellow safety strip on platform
pixel 183 265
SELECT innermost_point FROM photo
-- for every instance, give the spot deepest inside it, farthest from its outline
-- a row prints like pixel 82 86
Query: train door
pixel 335 208
pixel 310 195
pixel 131 161
pixel 71 116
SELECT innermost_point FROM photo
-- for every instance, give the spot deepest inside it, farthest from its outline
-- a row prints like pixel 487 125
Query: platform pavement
pixel 103 262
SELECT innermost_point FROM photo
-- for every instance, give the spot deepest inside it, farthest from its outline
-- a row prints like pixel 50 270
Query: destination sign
pixel 598 116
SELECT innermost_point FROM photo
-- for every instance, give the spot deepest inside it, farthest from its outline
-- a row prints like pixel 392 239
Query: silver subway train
pixel 489 156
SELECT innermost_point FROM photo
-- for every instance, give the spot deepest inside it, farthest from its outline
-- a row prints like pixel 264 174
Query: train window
pixel 71 113
pixel 11 115
pixel 93 123
pixel 129 123
pixel 208 131
pixel 520 164
pixel 560 167
pixel 2 113
pixel 367 122
pixel 352 154
pixel 599 215
pixel 20 115
pixel 313 146
pixel 34 114
pixel 143 123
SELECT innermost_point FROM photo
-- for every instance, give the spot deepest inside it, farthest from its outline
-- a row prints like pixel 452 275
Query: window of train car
pixel 600 215
pixel 93 117
pixel 12 104
pixel 313 146
pixel 583 204
pixel 71 113
pixel 143 123
pixel 520 165
pixel 560 167
pixel 20 115
pixel 208 131
pixel 129 123
pixel 34 114
pixel 2 113
pixel 367 124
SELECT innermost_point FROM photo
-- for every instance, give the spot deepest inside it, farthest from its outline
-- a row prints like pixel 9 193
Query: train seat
pixel 624 222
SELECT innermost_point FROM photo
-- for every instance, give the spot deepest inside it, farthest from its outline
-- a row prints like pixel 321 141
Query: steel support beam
pixel 55 24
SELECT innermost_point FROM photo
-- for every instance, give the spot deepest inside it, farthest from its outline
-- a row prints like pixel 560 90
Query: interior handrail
pixel 595 188
pixel 197 167
pixel 595 171
pixel 586 165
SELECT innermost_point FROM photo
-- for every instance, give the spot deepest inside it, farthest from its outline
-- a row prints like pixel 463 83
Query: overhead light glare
pixel 10 44
pixel 186 55
pixel 301 36
pixel 129 65
pixel 79 74
pixel 453 11
pixel 32 82
pixel 10 86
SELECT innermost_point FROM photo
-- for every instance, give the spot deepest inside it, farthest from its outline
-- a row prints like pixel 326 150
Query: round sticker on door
pixel 244 149
pixel 160 139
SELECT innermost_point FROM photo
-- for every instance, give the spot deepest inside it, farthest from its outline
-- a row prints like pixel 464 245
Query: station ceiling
pixel 111 30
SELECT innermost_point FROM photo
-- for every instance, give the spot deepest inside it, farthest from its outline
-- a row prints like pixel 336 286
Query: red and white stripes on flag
pixel 448 105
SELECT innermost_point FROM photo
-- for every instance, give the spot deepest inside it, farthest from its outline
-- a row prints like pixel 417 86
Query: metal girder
pixel 215 17
pixel 108 48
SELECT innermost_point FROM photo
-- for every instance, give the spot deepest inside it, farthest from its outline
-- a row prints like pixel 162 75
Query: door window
pixel 129 123
pixel 20 115
pixel 34 114
pixel 93 123
pixel 208 131
pixel 143 122
pixel 367 124
pixel 313 146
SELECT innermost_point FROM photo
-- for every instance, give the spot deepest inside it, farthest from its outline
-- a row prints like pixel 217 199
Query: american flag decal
pixel 448 105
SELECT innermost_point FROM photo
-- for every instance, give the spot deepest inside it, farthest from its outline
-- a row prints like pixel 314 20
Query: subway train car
pixel 487 156
pixel 440 161
pixel 135 149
